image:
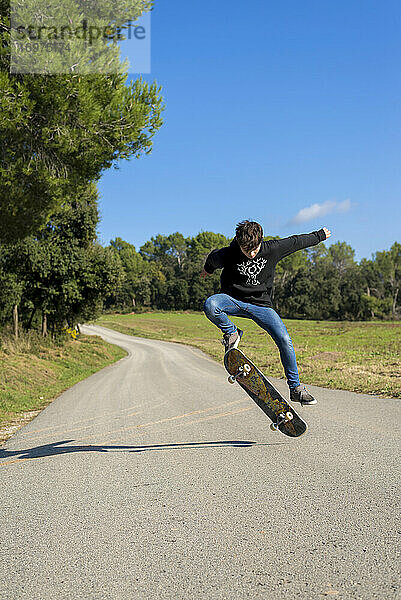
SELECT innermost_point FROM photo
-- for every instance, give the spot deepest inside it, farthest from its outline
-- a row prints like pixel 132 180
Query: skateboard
pixel 262 391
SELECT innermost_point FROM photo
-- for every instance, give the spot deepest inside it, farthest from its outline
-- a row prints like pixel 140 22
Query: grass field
pixel 361 357
pixel 33 372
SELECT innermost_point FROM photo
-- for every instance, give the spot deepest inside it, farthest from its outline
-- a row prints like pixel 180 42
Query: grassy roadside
pixel 360 357
pixel 34 372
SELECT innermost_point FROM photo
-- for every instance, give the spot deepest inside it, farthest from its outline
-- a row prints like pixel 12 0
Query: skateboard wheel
pixel 274 427
pixel 231 379
pixel 289 416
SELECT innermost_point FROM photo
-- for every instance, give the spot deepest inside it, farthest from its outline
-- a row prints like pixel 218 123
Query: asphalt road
pixel 155 478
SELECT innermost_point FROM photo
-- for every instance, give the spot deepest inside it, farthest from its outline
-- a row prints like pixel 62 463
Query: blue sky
pixel 287 113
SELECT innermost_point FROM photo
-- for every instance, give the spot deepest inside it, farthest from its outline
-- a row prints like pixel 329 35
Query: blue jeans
pixel 217 308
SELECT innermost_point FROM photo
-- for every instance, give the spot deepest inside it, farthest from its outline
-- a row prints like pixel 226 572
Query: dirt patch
pixel 6 431
pixel 328 356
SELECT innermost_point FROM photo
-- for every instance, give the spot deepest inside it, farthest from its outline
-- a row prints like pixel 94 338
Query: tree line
pixel 317 283
pixel 63 275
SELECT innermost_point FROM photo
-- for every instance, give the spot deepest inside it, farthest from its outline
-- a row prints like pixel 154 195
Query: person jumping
pixel 248 265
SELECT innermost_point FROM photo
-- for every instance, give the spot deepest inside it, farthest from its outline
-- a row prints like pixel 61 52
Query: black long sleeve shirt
pixel 251 280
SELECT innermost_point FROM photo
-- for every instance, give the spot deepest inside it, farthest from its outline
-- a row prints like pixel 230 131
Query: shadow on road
pixel 60 448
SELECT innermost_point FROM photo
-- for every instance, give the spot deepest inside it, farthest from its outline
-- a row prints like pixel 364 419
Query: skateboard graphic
pixel 262 391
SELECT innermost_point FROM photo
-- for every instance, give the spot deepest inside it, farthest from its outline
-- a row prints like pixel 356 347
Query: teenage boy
pixel 246 286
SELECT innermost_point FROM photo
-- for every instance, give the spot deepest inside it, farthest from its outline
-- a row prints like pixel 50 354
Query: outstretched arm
pixel 286 246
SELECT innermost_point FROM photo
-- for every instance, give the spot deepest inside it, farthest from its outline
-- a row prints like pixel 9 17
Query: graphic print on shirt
pixel 251 269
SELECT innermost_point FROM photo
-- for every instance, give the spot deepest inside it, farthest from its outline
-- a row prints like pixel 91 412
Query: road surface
pixel 156 479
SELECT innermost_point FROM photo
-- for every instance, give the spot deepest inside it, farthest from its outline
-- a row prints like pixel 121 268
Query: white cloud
pixel 315 211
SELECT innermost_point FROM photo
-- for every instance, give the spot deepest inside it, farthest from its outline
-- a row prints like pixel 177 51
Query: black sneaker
pixel 301 394
pixel 231 340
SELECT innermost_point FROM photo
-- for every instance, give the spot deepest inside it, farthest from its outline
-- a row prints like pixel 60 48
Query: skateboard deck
pixel 263 392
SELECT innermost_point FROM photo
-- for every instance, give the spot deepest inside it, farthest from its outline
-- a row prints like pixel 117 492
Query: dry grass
pixel 34 371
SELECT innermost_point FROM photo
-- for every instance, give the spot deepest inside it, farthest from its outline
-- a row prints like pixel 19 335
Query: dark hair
pixel 249 235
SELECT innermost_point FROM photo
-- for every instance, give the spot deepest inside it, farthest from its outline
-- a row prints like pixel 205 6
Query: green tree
pixel 351 291
pixel 348 278
pixel 203 243
pixel 139 277
pixel 298 292
pixel 389 267
pixel 11 289
pixel 53 46
pixel 312 292
pixel 61 132
pixel 170 251
pixel 64 273
pixel 341 256
pixel 375 303
pixel 286 270
pixel 199 248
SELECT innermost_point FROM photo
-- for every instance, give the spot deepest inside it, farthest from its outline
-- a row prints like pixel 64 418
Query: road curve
pixel 156 479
